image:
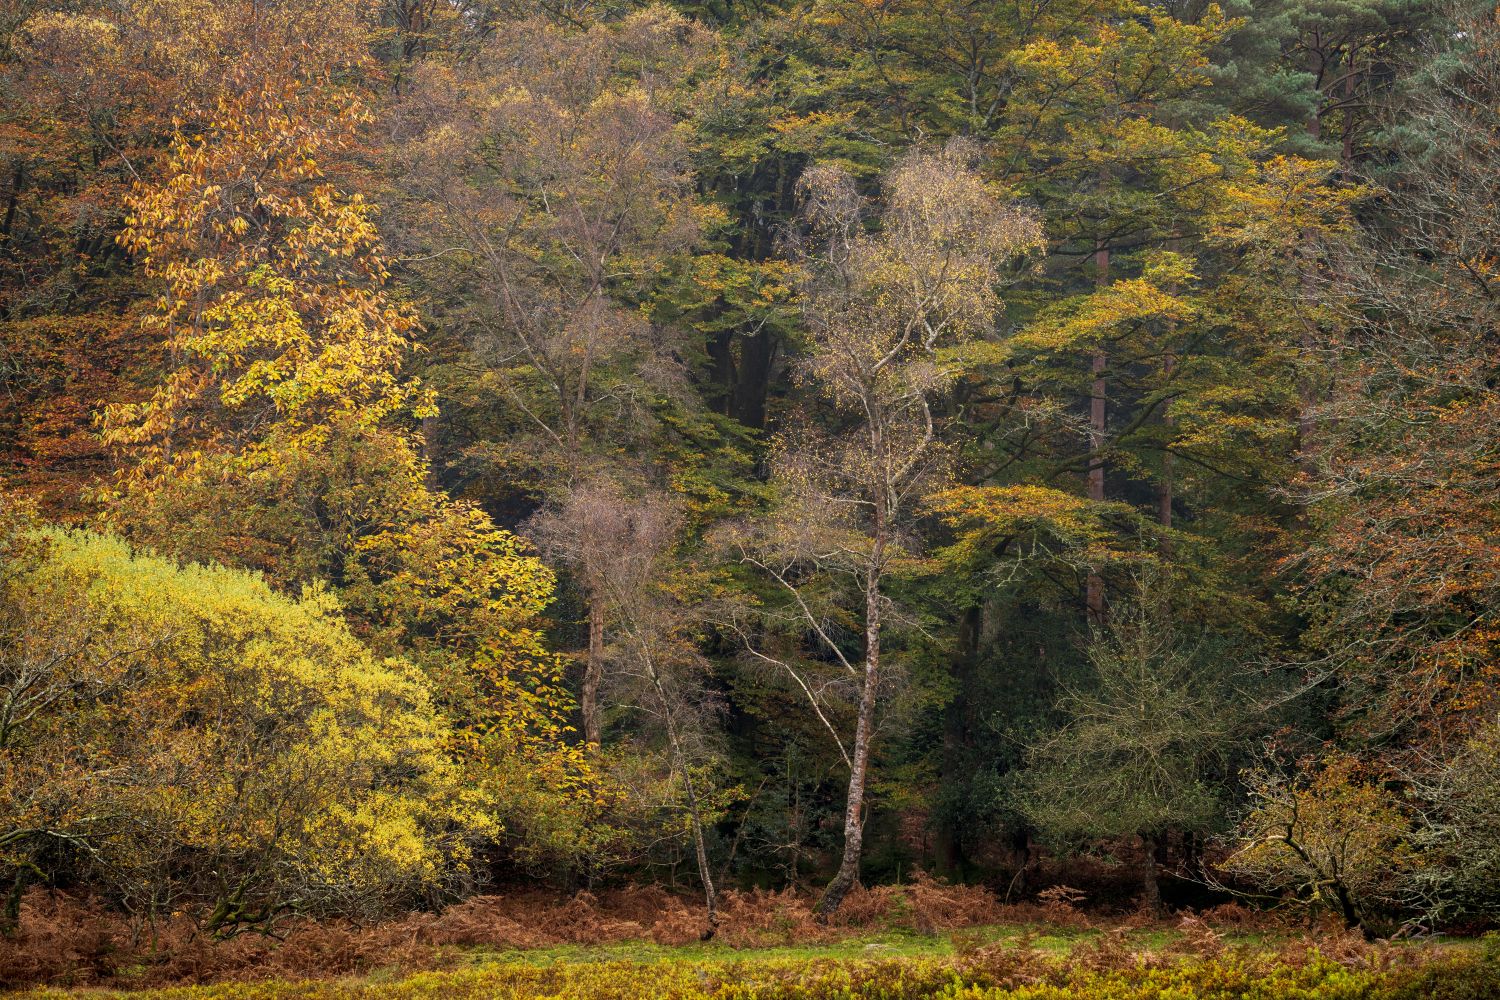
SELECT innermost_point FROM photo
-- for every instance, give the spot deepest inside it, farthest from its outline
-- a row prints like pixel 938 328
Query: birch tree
pixel 889 310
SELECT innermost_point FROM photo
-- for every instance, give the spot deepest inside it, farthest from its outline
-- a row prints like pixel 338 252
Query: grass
pixel 884 944
pixel 1051 940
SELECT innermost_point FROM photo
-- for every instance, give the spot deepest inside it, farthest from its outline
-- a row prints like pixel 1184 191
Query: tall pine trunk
pixel 1094 597
pixel 950 841
pixel 1165 489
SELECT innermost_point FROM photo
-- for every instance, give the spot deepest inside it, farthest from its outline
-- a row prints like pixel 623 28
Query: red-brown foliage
pixel 59 940
pixel 67 941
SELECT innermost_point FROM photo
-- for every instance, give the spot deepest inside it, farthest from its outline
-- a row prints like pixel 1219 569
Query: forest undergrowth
pixel 529 942
pixel 895 943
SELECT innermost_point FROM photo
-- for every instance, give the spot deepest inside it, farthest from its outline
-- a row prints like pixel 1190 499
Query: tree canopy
pixel 451 443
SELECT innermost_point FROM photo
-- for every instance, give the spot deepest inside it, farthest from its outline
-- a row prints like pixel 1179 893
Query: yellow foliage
pixel 232 747
pixel 1283 204
pixel 1332 835
pixel 1122 303
pixel 985 517
pixel 273 297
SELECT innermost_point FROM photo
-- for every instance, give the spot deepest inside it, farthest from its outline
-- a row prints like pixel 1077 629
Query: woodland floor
pixel 1122 959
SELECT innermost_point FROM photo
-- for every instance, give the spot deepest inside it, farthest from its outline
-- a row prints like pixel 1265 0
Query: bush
pixel 1330 837
pixel 193 741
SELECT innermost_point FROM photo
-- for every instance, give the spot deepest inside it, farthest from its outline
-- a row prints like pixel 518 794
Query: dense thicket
pixel 756 444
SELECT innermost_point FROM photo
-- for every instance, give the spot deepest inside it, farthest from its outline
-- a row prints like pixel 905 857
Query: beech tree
pixel 1404 575
pixel 278 431
pixel 278 435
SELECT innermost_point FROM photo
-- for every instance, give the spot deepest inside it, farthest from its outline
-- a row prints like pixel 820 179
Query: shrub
pixel 1329 837
pixel 202 743
pixel 1231 977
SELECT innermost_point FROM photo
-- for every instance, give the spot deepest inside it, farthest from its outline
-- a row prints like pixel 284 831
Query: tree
pixel 1144 745
pixel 1094 135
pixel 1330 836
pixel 1401 582
pixel 887 316
pixel 1318 67
pixel 46 678
pixel 87 92
pixel 277 332
pixel 548 182
pixel 1458 830
pixel 621 543
pixel 279 437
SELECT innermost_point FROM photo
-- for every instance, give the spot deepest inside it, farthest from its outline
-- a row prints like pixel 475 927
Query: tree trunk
pixel 1306 389
pixel 1094 598
pixel 1020 852
pixel 848 873
pixel 752 380
pixel 721 373
pixel 1346 151
pixel 17 181
pixel 430 446
pixel 1149 881
pixel 1164 491
pixel 710 894
pixel 695 814
pixel 1168 461
pixel 1348 910
pixel 593 673
pixel 950 843
pixel 10 916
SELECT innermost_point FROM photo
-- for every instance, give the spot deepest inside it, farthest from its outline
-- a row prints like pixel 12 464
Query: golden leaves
pixel 1124 303
pixel 272 280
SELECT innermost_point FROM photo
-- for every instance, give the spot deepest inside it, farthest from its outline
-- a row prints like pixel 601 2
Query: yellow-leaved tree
pixel 281 435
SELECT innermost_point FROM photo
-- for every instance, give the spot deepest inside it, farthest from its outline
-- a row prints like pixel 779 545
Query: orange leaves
pixel 1120 66
pixel 272 281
